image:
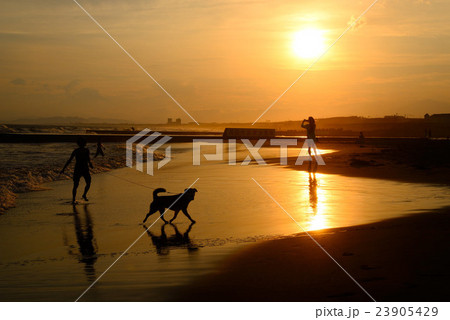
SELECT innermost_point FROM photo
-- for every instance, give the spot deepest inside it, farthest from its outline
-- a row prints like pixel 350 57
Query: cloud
pixel 18 82
pixel 87 95
pixel 73 92
pixel 69 88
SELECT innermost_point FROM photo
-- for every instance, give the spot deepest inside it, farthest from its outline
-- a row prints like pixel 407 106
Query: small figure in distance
pixel 310 127
pixel 361 138
pixel 82 164
pixel 100 149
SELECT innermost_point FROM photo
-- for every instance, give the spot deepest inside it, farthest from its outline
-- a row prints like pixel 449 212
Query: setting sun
pixel 308 43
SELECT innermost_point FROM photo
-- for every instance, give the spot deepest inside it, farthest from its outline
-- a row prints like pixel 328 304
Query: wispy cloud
pixel 18 82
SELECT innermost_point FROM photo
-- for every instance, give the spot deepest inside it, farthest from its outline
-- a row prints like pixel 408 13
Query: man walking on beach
pixel 82 164
pixel 100 148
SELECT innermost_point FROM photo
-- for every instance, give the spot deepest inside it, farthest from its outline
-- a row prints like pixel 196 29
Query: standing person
pixel 361 138
pixel 100 148
pixel 82 164
pixel 310 126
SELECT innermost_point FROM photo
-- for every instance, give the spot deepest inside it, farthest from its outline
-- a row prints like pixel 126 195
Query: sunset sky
pixel 222 60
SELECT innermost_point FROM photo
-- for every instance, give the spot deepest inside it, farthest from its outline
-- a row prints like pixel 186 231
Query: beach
pixel 160 152
pixel 409 160
pixel 402 259
pixel 369 225
pixel 26 167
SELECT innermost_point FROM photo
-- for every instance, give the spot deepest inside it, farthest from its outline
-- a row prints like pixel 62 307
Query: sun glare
pixel 308 43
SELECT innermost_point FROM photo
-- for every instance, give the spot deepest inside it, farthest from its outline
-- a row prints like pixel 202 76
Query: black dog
pixel 160 203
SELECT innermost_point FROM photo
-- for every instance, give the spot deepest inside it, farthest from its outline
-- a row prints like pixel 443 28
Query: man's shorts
pixel 81 173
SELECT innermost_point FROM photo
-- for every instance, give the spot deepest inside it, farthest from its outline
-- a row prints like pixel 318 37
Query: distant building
pixel 440 117
pixel 178 121
pixel 169 121
pixel 437 125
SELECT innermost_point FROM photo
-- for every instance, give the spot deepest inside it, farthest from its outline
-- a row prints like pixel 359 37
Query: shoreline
pixel 407 160
pixel 394 260
pixel 255 263
pixel 29 180
pixel 419 161
pixel 16 179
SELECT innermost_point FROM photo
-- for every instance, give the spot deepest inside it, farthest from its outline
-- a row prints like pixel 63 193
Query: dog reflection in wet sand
pixel 164 243
pixel 176 203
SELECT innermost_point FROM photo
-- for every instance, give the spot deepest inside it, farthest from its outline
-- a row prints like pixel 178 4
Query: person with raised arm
pixel 310 126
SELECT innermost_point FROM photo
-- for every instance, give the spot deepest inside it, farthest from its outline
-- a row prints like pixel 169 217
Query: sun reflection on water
pixel 313 199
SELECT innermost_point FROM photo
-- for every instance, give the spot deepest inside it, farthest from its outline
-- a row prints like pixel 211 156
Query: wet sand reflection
pixel 86 241
pixel 164 243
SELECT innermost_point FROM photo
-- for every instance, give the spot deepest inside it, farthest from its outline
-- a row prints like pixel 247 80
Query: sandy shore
pixel 402 259
pixel 398 259
pixel 406 160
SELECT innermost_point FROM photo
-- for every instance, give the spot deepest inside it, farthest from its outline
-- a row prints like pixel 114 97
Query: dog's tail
pixel 158 190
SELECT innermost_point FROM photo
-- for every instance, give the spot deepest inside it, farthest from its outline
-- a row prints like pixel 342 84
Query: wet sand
pixel 406 160
pixel 56 256
pixel 26 167
pixel 402 259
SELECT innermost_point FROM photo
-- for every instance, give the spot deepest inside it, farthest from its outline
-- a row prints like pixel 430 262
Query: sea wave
pixel 26 167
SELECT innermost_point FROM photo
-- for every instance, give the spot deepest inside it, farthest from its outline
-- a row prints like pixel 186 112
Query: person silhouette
pixel 82 164
pixel 100 148
pixel 310 126
pixel 361 138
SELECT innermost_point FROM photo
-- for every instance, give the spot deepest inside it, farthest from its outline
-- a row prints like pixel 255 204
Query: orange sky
pixel 222 60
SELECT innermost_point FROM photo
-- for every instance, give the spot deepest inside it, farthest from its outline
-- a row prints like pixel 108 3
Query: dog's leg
pixel 148 215
pixel 162 216
pixel 174 216
pixel 187 215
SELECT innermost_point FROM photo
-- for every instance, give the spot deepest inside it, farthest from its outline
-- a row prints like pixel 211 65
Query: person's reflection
pixel 313 186
pixel 164 243
pixel 86 241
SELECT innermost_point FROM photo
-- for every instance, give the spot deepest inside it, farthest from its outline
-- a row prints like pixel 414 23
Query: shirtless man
pixel 100 148
pixel 82 164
